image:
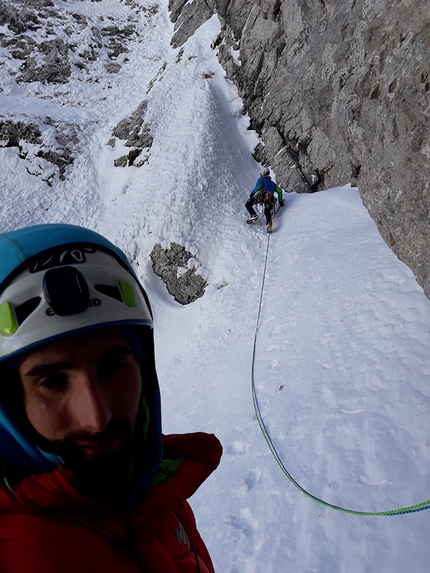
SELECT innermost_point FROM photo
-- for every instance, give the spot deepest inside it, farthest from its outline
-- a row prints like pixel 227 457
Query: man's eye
pixel 53 381
pixel 113 364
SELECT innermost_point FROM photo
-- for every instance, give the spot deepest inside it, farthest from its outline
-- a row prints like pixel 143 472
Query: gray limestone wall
pixel 339 93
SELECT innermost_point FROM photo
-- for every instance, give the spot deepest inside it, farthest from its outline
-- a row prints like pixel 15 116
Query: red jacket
pixel 47 526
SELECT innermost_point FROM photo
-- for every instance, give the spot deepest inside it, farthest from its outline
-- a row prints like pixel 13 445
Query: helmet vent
pixel 108 290
pixel 24 310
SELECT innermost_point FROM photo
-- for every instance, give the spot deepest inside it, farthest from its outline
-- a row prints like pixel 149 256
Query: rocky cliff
pixel 339 93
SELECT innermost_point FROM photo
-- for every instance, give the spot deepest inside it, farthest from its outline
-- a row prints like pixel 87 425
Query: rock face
pixel 45 146
pixel 339 93
pixel 66 44
pixel 46 43
pixel 137 135
pixel 172 266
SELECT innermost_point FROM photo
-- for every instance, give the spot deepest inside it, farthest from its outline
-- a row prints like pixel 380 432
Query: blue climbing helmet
pixel 57 280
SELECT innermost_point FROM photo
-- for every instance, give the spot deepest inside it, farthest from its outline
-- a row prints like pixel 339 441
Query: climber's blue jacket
pixel 266 184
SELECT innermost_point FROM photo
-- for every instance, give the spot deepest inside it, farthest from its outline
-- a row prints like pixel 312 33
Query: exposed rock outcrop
pixel 55 69
pixel 52 45
pixel 46 147
pixel 11 133
pixel 66 44
pixel 173 267
pixel 135 134
pixel 339 93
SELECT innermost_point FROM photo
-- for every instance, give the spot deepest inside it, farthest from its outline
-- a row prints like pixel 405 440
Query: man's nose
pixel 91 409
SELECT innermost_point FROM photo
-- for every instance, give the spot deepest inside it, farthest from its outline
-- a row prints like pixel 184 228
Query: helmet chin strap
pixel 145 417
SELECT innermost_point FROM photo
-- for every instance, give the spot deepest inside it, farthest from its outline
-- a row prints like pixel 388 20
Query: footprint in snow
pixel 236 448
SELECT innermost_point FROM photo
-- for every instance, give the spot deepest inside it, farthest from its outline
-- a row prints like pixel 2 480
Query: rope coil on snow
pixel 410 509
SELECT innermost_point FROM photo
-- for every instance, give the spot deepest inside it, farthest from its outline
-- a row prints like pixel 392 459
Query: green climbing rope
pixel 411 509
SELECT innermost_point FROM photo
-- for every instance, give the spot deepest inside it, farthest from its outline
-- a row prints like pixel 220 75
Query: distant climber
pixel 264 192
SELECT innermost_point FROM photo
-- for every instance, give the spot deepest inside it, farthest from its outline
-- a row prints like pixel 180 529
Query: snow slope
pixel 342 370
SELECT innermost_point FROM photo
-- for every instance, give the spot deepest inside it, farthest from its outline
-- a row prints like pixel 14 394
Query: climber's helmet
pixel 67 288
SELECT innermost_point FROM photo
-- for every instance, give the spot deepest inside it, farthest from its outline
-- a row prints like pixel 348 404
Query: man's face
pixel 82 394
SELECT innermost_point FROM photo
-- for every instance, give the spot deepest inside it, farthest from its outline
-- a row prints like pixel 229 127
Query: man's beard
pixel 105 475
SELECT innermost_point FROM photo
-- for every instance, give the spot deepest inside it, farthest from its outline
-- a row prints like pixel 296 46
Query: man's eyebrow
pixel 38 369
pixel 47 368
pixel 117 351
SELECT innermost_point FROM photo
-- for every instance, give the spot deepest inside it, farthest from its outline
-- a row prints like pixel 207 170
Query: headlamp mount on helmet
pixel 66 290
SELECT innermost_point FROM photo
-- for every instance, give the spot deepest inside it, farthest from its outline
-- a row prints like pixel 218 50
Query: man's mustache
pixel 113 428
